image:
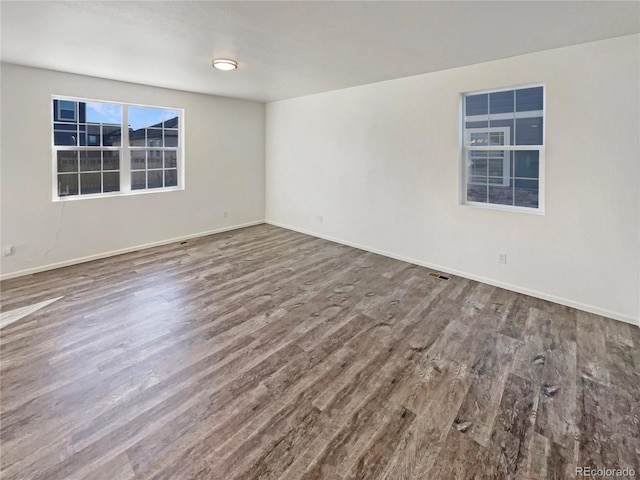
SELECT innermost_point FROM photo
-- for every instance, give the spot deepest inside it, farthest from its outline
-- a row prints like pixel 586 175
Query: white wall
pixel 379 163
pixel 224 151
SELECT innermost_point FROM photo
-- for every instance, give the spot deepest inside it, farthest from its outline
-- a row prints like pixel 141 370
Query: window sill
pixel 73 198
pixel 504 208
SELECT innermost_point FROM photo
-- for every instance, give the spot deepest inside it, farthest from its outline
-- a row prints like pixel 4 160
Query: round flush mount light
pixel 224 64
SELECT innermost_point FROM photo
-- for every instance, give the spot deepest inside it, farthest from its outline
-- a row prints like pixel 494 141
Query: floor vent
pixel 437 275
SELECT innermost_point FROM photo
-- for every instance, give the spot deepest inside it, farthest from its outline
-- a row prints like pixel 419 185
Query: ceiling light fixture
pixel 224 64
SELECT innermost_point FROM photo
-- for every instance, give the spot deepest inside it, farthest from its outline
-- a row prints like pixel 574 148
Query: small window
pixel 66 110
pixel 92 157
pixel 503 149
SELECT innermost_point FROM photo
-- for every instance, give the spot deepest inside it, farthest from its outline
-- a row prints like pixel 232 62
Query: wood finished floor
pixel 265 353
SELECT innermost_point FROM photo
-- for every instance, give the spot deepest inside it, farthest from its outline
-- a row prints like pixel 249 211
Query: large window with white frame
pixel 503 149
pixel 105 148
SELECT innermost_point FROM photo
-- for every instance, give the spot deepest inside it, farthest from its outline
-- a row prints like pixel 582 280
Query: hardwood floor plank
pixel 435 401
pixel 596 447
pixel 379 451
pixel 560 463
pixel 531 358
pixel 556 418
pixel 490 370
pixel 513 429
pixel 459 458
pixel 591 348
pixel 118 468
pixel 539 464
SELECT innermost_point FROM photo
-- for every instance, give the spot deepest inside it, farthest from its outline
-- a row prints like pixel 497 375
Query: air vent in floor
pixel 437 275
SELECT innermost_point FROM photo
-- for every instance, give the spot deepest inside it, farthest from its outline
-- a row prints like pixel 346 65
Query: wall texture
pixel 224 150
pixel 379 164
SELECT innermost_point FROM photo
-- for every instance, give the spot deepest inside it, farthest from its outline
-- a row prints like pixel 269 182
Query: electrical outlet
pixel 502 257
pixel 7 251
pixel 225 214
pixel 319 219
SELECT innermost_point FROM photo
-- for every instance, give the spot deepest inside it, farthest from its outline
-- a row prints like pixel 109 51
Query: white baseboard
pixel 98 256
pixel 507 286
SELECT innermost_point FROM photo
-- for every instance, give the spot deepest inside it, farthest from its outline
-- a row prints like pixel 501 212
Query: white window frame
pixel 464 149
pixel 124 149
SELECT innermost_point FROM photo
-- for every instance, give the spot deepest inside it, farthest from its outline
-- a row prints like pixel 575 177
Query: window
pixel 92 156
pixel 154 149
pixel 503 149
pixel 67 110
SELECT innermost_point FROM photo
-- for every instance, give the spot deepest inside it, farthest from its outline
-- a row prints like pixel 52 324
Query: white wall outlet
pixel 7 250
pixel 319 219
pixel 502 257
pixel 225 214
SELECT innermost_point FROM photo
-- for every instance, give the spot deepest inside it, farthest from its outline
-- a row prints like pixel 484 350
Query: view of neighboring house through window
pixel 503 148
pixel 93 157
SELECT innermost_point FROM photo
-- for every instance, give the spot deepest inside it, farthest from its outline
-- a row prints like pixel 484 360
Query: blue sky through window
pixel 104 113
pixel 139 117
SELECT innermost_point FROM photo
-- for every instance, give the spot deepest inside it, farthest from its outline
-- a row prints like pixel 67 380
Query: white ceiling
pixel 290 49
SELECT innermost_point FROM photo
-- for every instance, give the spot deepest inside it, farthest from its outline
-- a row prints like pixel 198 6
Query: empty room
pixel 339 240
